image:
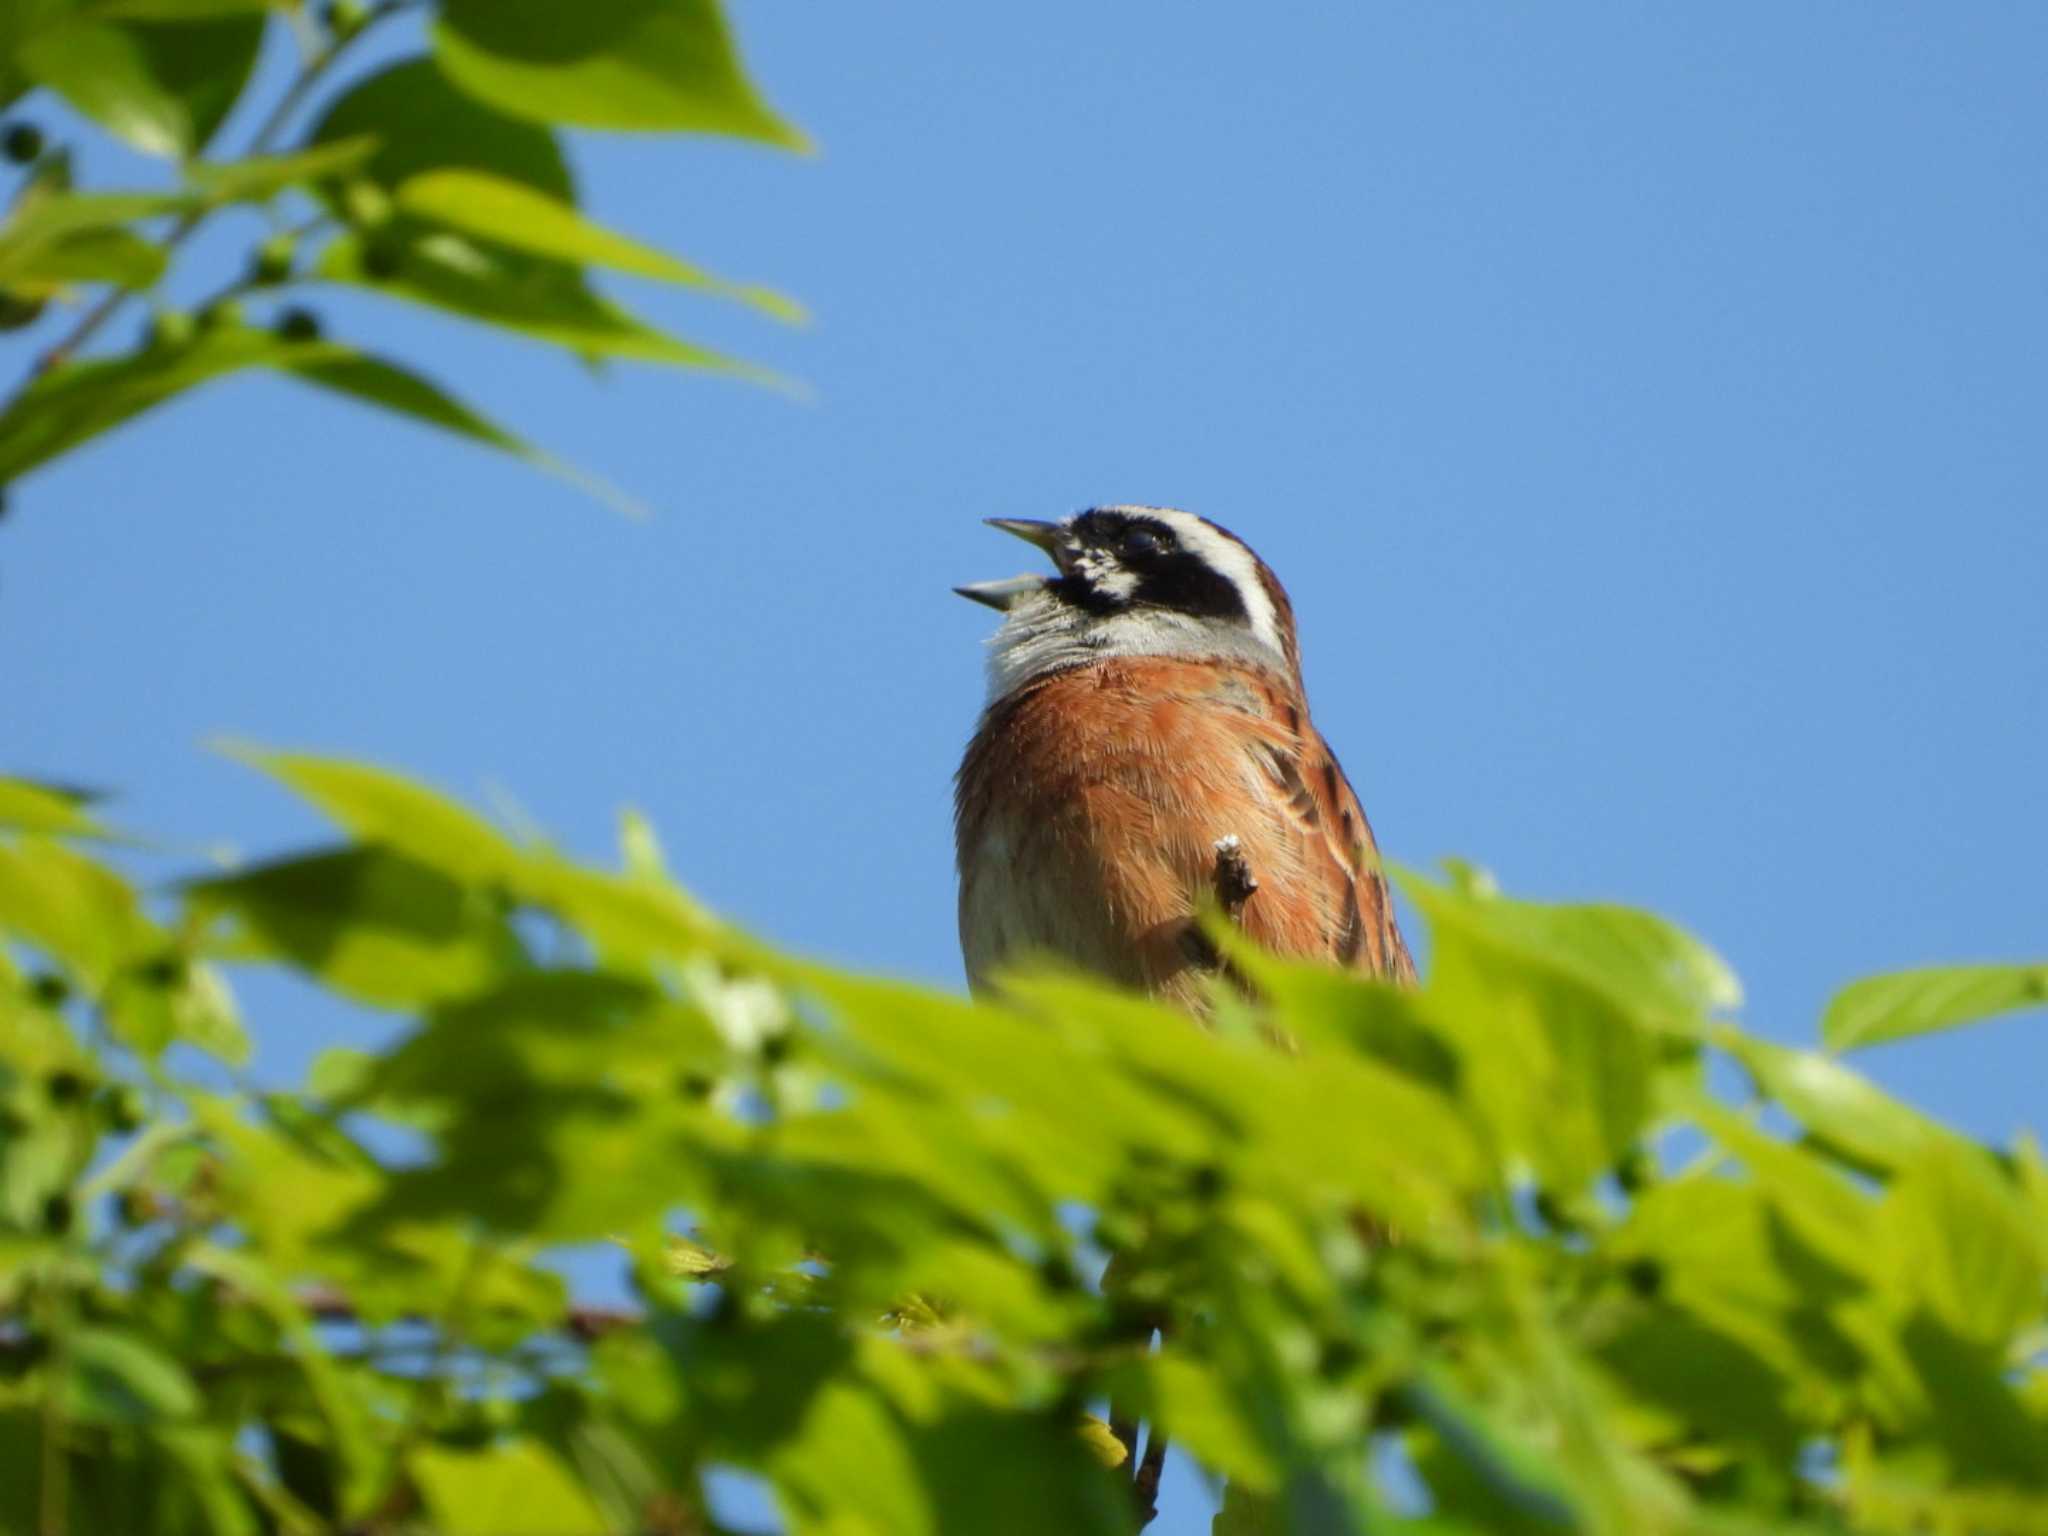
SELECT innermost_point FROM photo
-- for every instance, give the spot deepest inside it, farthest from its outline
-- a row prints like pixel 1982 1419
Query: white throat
pixel 1040 634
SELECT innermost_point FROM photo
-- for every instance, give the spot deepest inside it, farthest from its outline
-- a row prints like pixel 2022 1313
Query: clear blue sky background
pixel 1644 405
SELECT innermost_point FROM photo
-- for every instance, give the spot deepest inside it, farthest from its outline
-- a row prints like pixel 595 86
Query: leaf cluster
pixel 432 176
pixel 1486 1255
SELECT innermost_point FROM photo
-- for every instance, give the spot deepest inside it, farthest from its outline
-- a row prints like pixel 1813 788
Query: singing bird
pixel 1146 749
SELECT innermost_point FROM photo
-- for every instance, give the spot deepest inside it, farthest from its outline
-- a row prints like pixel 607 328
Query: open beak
pixel 1001 594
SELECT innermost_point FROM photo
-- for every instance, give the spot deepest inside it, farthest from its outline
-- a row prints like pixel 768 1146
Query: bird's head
pixel 1135 581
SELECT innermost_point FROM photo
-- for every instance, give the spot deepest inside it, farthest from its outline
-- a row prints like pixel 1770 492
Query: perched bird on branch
pixel 1146 752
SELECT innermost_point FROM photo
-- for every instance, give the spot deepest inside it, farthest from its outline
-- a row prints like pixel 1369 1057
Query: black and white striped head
pixel 1135 581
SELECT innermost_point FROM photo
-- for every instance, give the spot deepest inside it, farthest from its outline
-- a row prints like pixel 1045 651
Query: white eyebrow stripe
pixel 1228 558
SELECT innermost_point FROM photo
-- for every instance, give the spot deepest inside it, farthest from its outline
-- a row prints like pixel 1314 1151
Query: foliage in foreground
pixel 436 178
pixel 863 1222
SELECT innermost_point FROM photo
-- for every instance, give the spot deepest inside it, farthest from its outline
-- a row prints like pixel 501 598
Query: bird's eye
pixel 1144 541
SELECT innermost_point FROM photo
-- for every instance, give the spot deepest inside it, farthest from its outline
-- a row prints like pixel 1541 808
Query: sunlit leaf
pixel 164 86
pixel 379 806
pixel 26 806
pixel 1966 1242
pixel 257 178
pixel 1905 1003
pixel 75 909
pixel 1839 1107
pixel 370 922
pixel 118 1377
pixel 389 387
pixel 645 64
pixel 525 219
pixel 513 1488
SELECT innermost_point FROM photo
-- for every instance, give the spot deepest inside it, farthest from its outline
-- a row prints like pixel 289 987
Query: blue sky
pixel 1643 406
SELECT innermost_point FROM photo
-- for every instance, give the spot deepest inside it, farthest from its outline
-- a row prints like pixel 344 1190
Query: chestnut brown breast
pixel 1090 803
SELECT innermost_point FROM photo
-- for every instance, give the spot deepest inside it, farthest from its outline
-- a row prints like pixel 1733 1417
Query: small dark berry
pixel 50 990
pixel 65 1087
pixel 1339 1358
pixel 16 311
pixel 272 262
pixel 122 1109
pixel 1635 1171
pixel 344 18
pixel 1056 1274
pixel 22 142
pixel 1553 1213
pixel 1644 1276
pixel 1206 1181
pixel 163 971
pixel 775 1050
pixel 380 261
pixel 297 324
pixel 57 1212
pixel 695 1085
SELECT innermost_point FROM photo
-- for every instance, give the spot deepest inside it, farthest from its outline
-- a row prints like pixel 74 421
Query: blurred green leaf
pixel 391 388
pixel 372 923
pixel 1963 1237
pixel 56 238
pixel 1843 1110
pixel 258 178
pixel 545 300
pixel 75 909
pixel 379 806
pixel 163 86
pixel 513 1488
pixel 419 122
pixel 1555 1052
pixel 75 402
pixel 1905 1003
pixel 118 1377
pixel 639 64
pixel 173 999
pixel 522 218
pixel 1650 966
pixel 26 806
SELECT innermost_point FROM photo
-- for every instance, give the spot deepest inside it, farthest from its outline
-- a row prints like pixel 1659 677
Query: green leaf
pixel 76 402
pixel 1821 1206
pixel 26 806
pixel 378 806
pixel 419 122
pixel 1653 967
pixel 426 126
pixel 371 923
pixel 404 393
pixel 258 178
pixel 1556 1051
pixel 513 1488
pixel 148 1012
pixel 163 86
pixel 117 1377
pixel 542 299
pixel 641 64
pixel 518 216
pixel 76 910
pixel 1840 1108
pixel 53 238
pixel 1906 1003
pixel 1963 1237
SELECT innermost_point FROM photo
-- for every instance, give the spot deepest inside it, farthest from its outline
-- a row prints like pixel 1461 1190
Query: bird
pixel 1145 752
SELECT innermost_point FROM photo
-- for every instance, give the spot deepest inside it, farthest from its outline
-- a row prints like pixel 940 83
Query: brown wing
pixel 1309 781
